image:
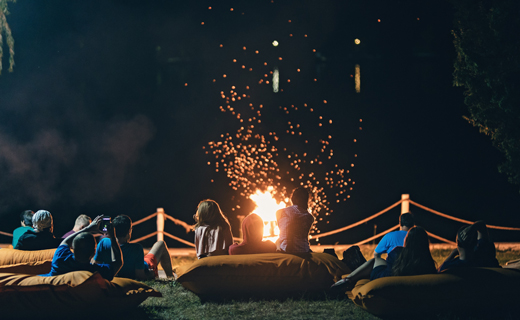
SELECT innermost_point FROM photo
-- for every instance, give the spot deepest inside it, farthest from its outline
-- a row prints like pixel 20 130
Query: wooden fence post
pixel 405 205
pixel 160 224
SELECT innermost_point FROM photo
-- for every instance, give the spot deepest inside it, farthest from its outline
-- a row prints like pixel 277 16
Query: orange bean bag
pixel 27 262
pixel 79 293
pixel 266 274
pixel 456 289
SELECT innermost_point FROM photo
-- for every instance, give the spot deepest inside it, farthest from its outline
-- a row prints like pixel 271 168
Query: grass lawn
pixel 179 303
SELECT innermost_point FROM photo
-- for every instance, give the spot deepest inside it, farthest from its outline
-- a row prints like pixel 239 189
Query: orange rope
pixel 6 234
pixel 376 236
pixel 440 238
pixel 181 223
pixel 167 234
pixel 357 223
pixel 179 239
pixel 145 237
pixel 144 219
pixel 460 220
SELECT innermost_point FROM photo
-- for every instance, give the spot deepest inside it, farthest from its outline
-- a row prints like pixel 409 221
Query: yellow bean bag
pixel 457 289
pixel 79 293
pixel 266 274
pixel 26 262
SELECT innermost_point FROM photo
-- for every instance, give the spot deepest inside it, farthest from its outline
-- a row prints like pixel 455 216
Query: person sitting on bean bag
pixel 84 245
pixel 295 223
pixel 474 249
pixel 137 265
pixel 41 237
pixel 412 259
pixel 253 231
pixel 353 257
pixel 213 235
pixel 82 221
pixel 26 224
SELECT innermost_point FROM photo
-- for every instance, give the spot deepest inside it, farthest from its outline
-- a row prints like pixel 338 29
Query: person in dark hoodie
pixel 253 231
pixel 41 237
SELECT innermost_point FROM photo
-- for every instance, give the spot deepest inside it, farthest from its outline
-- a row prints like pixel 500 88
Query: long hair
pixel 415 258
pixel 209 213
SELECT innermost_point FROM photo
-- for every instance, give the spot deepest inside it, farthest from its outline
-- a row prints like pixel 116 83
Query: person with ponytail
pixel 213 235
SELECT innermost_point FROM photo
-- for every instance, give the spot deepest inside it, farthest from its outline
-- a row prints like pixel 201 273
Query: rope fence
pixel 459 220
pixel 357 223
pixel 405 202
pixel 144 219
pixel 377 235
pixel 6 234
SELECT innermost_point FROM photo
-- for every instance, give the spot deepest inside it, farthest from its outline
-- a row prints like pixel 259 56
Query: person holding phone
pixel 137 265
pixel 84 245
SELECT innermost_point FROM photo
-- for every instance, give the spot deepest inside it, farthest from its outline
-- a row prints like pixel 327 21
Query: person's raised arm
pixel 117 262
pixel 92 228
pixel 482 232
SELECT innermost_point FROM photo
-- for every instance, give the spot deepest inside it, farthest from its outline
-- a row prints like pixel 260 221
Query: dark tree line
pixel 487 43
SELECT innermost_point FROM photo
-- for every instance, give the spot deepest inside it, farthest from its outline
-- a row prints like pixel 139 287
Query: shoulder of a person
pixel 281 210
pixel 62 249
pixel 397 250
pixel 105 241
pixel 134 246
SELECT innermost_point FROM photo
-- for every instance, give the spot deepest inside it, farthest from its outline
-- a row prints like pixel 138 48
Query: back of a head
pixel 26 216
pixel 417 240
pixel 82 221
pixel 42 220
pixel 415 257
pixel 407 220
pixel 84 246
pixel 253 228
pixel 467 237
pixel 122 224
pixel 300 196
pixel 209 213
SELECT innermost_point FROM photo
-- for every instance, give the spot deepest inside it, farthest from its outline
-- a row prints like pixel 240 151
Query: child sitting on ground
pixel 213 235
pixel 253 231
pixel 84 246
pixel 137 265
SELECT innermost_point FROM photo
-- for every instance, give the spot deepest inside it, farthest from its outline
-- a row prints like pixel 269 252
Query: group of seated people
pixel 79 250
pixel 213 234
pixel 408 249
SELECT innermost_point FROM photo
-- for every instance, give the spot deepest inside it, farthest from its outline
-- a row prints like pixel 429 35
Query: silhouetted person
pixel 82 221
pixel 137 265
pixel 294 223
pixel 41 237
pixel 413 259
pixel 84 245
pixel 26 224
pixel 253 231
pixel 474 249
pixel 212 232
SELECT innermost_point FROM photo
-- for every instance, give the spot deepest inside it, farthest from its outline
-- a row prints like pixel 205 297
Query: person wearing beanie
pixel 41 236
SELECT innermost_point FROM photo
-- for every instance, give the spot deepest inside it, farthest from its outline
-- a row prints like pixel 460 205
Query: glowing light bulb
pixel 275 43
pixel 357 41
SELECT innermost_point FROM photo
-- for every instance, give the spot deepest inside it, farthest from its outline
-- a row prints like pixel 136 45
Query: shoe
pixel 342 286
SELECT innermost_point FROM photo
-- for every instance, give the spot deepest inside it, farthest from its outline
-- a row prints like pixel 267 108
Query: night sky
pixel 111 103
